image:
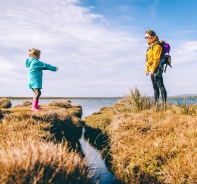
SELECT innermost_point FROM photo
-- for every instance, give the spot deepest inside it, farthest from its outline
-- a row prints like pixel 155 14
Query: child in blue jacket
pixel 35 74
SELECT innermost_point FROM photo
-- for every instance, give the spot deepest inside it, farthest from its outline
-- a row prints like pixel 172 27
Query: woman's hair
pixel 162 41
pixel 153 34
pixel 34 53
pixel 150 32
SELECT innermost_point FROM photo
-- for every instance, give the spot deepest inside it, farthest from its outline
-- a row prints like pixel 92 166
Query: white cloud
pixel 184 52
pixel 87 53
pixel 93 59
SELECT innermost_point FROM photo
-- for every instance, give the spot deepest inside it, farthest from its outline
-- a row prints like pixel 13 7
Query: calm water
pixel 182 100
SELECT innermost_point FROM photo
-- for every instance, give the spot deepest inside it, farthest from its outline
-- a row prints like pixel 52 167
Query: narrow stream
pixel 95 161
pixel 96 164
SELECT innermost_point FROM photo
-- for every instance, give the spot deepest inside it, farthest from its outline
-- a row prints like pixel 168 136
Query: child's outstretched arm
pixel 44 66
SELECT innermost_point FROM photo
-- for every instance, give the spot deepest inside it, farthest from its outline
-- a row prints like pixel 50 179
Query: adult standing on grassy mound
pixel 153 57
pixel 35 75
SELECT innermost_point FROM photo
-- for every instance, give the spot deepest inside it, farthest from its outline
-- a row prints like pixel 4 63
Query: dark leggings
pixel 159 85
pixel 37 93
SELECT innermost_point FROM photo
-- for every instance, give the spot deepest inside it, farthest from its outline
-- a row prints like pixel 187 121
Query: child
pixel 35 75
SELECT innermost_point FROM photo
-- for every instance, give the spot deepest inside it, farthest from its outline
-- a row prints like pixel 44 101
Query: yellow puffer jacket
pixel 153 57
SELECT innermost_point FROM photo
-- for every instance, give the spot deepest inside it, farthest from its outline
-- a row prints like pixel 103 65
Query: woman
pixel 153 57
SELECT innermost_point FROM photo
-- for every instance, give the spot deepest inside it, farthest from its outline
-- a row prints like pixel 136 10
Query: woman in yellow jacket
pixel 153 57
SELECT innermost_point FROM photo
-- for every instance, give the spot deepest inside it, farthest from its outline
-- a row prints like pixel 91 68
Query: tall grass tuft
pixel 187 109
pixel 138 102
pixel 5 103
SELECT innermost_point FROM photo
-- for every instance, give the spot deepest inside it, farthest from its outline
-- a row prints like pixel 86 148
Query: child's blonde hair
pixel 34 53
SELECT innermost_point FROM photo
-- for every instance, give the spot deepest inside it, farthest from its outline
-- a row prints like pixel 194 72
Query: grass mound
pixel 154 147
pixel 150 143
pixel 61 104
pixel 30 161
pixel 5 103
pixel 41 147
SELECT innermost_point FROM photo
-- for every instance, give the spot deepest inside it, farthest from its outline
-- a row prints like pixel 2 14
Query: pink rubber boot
pixel 34 105
pixel 37 105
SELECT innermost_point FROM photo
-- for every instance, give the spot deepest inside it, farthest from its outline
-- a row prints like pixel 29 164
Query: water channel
pixel 95 162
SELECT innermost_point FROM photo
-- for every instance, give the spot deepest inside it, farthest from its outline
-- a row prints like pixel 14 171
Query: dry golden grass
pixel 62 104
pixel 154 147
pixel 31 147
pixel 134 102
pixel 149 143
pixel 137 102
pixel 33 161
pixel 102 119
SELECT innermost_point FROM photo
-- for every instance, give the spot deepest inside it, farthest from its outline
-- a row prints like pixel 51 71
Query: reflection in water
pixel 96 164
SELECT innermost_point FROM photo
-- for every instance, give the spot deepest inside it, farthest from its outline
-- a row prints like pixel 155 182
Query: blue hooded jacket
pixel 35 72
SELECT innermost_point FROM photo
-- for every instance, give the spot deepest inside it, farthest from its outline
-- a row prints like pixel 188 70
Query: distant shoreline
pixel 28 98
pixel 60 98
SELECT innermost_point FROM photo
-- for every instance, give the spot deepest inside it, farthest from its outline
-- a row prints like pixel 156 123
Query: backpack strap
pixel 162 55
pixel 157 42
pixel 151 47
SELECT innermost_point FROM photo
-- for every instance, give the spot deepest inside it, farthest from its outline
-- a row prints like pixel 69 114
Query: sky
pixel 98 45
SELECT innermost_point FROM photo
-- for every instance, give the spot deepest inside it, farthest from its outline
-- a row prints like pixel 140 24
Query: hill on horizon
pixel 187 95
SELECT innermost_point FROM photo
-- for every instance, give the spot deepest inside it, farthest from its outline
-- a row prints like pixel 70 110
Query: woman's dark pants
pixel 158 86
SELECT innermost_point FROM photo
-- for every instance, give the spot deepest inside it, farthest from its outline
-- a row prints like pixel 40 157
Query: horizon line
pixel 52 97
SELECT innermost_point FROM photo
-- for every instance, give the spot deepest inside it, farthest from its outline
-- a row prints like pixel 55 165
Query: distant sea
pixel 90 105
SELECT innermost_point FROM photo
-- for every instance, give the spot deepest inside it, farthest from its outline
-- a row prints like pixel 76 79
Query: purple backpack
pixel 166 49
pixel 165 56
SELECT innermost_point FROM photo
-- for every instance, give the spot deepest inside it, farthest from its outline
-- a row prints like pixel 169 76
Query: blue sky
pixel 98 46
